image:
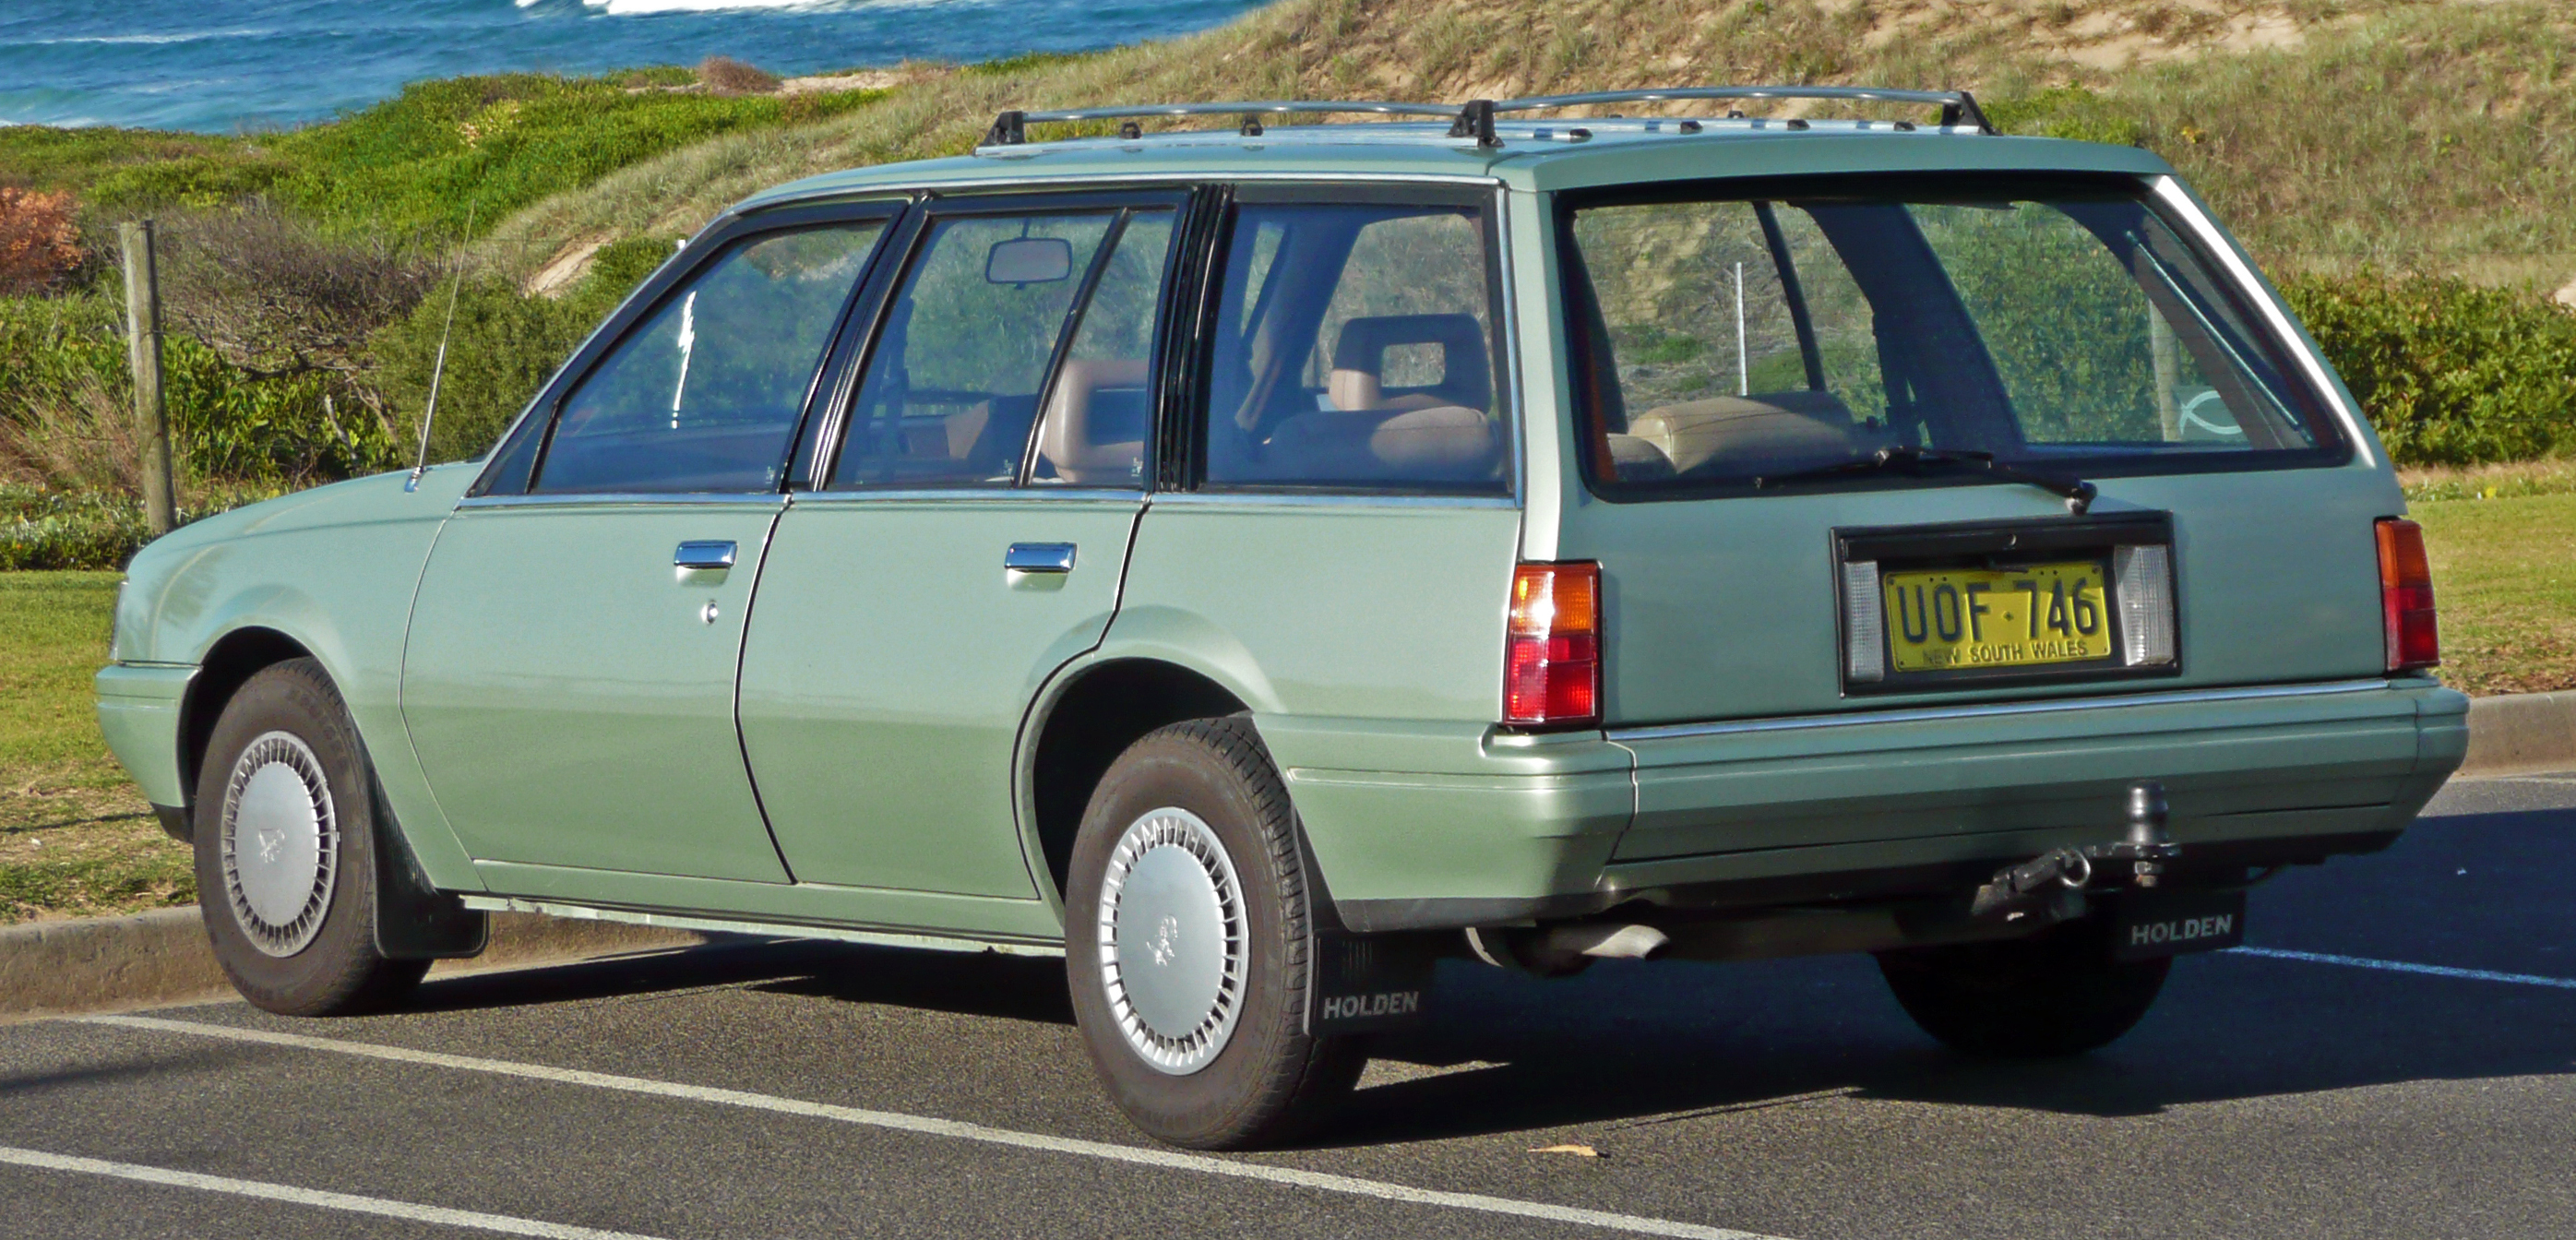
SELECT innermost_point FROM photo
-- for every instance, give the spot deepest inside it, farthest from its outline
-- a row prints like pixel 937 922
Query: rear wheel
pixel 1188 944
pixel 286 856
pixel 2058 992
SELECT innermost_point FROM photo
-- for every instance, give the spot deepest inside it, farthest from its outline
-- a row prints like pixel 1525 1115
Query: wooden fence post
pixel 143 346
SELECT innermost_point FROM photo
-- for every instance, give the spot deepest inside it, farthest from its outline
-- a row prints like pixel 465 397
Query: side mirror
pixel 1029 260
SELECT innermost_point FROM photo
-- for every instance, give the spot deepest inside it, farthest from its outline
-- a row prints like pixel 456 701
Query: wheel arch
pixel 1093 714
pixel 228 664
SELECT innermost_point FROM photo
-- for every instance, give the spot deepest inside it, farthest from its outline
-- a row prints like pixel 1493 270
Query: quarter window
pixel 705 394
pixel 1354 351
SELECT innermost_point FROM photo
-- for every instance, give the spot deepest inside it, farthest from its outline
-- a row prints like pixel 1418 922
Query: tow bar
pixel 2052 884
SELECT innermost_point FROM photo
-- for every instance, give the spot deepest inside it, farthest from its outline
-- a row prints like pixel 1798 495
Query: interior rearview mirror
pixel 1029 260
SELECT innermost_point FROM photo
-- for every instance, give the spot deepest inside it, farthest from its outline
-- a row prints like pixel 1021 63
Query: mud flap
pixel 414 920
pixel 1364 983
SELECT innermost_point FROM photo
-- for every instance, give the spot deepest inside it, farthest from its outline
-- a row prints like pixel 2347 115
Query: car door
pixel 569 677
pixel 965 541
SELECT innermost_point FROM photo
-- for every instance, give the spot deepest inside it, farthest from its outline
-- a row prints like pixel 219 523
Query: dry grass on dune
pixel 2333 133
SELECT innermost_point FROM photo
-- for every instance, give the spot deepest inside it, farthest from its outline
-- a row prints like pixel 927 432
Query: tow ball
pixel 2052 884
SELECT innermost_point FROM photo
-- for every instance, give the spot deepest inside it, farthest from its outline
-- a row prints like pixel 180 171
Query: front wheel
pixel 1188 944
pixel 286 850
pixel 2055 993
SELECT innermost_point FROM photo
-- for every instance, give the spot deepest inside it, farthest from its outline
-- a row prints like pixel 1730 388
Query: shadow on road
pixel 1647 1043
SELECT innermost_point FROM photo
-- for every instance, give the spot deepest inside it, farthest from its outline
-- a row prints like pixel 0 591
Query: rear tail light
pixel 1552 650
pixel 2406 596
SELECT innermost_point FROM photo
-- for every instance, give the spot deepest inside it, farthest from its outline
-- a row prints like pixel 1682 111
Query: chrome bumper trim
pixel 1988 710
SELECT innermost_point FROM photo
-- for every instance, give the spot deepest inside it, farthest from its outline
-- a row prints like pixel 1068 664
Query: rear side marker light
pixel 2406 597
pixel 2142 581
pixel 1552 647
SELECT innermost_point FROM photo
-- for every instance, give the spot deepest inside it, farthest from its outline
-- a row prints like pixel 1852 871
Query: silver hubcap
pixel 1173 941
pixel 281 843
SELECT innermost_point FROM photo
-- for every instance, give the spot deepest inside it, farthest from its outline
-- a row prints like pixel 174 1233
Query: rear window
pixel 1736 341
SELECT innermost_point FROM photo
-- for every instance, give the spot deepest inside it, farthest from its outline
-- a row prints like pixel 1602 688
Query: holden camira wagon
pixel 1256 563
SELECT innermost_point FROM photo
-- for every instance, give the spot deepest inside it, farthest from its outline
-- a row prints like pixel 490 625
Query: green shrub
pixel 2451 373
pixel 42 528
pixel 505 345
pixel 66 378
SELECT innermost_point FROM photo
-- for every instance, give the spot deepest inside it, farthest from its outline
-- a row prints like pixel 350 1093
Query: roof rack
pixel 1475 119
pixel 1011 128
pixel 1957 106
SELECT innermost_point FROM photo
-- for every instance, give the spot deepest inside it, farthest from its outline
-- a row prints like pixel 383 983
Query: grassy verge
pixel 2504 573
pixel 76 838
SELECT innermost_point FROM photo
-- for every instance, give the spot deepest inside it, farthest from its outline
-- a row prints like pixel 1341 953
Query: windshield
pixel 2062 325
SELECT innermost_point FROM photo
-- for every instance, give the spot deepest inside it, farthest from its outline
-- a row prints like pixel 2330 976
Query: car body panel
pixel 333 570
pixel 890 663
pixel 572 700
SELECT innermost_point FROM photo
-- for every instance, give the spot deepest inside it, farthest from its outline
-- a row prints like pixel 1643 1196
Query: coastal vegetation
pixel 2398 165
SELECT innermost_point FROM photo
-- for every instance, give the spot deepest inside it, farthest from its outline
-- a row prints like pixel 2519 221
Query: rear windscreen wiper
pixel 2077 492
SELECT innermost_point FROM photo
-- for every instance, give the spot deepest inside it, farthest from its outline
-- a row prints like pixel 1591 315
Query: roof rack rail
pixel 1011 128
pixel 1957 106
pixel 1475 119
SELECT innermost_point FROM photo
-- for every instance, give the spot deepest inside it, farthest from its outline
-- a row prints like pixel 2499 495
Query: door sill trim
pixel 771 929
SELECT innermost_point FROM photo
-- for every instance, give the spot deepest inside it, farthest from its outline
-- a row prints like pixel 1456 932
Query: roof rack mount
pixel 1011 128
pixel 1476 118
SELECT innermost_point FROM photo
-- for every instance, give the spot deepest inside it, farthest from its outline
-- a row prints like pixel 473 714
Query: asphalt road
pixel 811 1091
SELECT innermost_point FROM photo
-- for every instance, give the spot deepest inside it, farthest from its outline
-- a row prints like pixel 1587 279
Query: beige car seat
pixel 1440 432
pixel 1067 436
pixel 1765 430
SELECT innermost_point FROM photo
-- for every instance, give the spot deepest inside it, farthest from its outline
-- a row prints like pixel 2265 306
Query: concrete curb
pixel 100 964
pixel 2522 732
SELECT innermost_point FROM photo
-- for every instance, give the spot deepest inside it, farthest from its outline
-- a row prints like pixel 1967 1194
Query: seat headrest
pixel 1068 437
pixel 1359 359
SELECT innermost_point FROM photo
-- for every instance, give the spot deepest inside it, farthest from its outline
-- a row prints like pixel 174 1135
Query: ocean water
pixel 223 66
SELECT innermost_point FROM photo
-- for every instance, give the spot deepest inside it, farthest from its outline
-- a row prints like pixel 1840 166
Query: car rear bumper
pixel 1830 807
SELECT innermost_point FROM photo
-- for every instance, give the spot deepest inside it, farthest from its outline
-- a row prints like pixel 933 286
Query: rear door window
pixel 1728 340
pixel 706 393
pixel 951 392
pixel 1355 351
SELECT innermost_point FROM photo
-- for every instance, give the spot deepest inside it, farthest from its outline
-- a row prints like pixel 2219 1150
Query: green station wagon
pixel 1255 563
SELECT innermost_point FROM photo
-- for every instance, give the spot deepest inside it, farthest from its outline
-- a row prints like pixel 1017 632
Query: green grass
pixel 2504 576
pixel 76 838
pixel 413 166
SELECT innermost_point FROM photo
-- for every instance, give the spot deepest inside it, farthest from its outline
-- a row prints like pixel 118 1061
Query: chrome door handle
pixel 1038 558
pixel 707 556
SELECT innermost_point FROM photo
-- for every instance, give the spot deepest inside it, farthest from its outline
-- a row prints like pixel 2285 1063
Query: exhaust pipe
pixel 1609 942
pixel 1562 951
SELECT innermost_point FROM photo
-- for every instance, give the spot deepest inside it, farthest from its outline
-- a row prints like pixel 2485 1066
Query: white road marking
pixel 2399 966
pixel 900 1122
pixel 311 1197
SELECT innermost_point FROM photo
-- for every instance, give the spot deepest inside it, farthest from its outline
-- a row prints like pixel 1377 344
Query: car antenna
pixel 438 368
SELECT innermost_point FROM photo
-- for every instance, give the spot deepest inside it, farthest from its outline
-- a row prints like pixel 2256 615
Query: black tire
pixel 2055 993
pixel 1268 1081
pixel 323 960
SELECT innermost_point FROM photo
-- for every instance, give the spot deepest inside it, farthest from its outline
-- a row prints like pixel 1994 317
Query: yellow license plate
pixel 1965 618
